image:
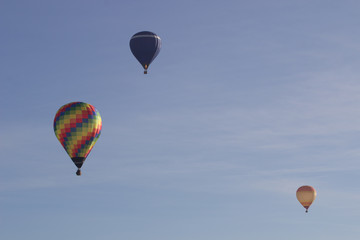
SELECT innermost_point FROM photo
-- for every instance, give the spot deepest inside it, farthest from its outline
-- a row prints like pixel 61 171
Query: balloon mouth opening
pixel 78 161
pixel 145 68
pixel 307 209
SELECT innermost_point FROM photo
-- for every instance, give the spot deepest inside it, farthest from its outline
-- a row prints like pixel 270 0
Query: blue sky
pixel 246 102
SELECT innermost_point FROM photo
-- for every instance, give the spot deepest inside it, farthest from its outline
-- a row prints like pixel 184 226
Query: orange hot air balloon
pixel 306 196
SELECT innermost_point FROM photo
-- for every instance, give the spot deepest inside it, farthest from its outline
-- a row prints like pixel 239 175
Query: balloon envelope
pixel 306 196
pixel 145 46
pixel 77 126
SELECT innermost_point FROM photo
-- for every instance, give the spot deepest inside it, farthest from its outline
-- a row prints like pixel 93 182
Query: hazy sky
pixel 246 102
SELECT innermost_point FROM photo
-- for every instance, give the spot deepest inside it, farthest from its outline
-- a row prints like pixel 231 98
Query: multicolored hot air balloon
pixel 145 46
pixel 77 126
pixel 306 196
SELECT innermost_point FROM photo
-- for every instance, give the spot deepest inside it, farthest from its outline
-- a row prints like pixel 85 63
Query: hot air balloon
pixel 306 196
pixel 77 126
pixel 145 46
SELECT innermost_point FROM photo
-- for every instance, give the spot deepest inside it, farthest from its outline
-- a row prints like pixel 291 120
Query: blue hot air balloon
pixel 145 46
